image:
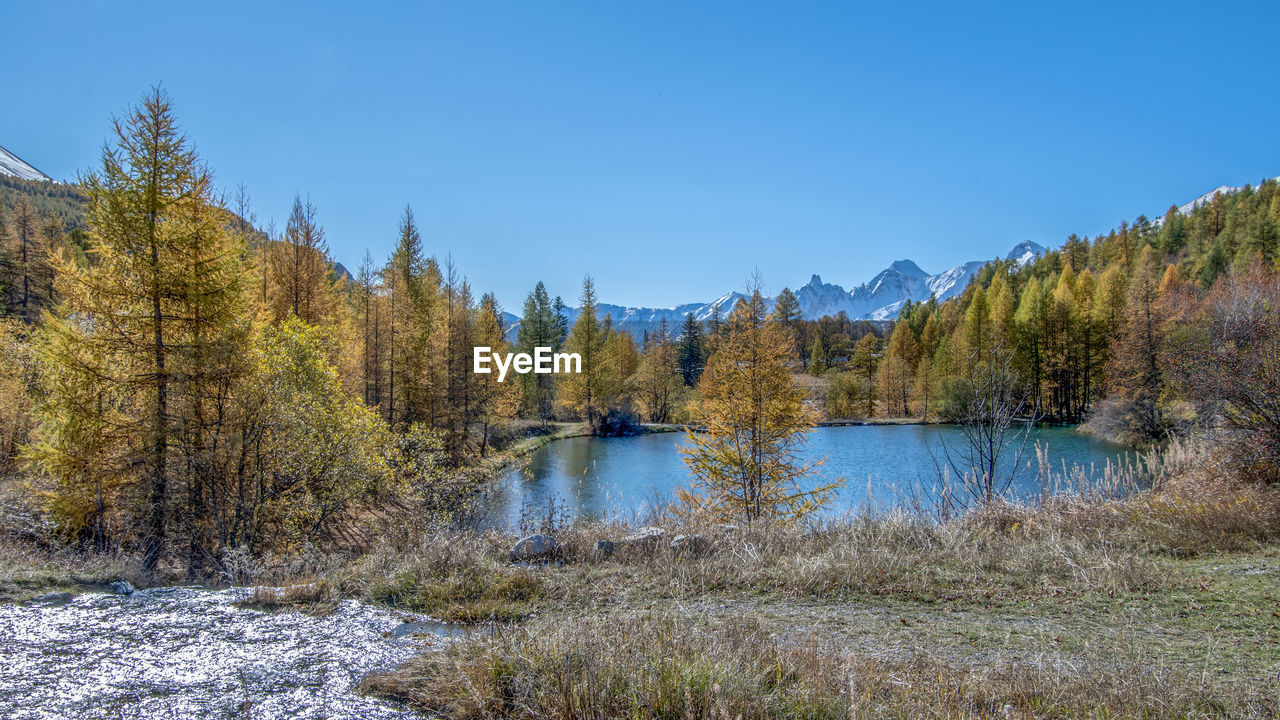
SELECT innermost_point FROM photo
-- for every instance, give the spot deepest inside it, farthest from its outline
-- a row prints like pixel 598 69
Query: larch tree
pixel 623 360
pixel 1031 320
pixel 927 375
pixel 747 463
pixel 1064 366
pixel 495 402
pixel 865 363
pixel 979 333
pixel 1135 369
pixel 584 393
pixel 895 373
pixel 29 272
pixel 142 333
pixel 17 370
pixel 366 299
pixel 658 380
pixel 1089 337
pixel 298 280
pixel 414 323
pixel 457 381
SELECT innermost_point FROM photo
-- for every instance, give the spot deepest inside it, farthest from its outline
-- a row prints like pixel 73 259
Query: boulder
pixel 642 537
pixel 534 547
pixel 644 540
pixel 692 544
pixel 120 587
pixel 604 548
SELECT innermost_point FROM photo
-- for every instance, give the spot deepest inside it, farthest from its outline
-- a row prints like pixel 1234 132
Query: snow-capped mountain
pixel 1204 199
pixel 880 298
pixel 1207 198
pixel 14 166
pixel 640 320
pixel 1024 252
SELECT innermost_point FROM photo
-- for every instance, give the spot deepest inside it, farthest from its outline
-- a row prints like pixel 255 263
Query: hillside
pixel 64 201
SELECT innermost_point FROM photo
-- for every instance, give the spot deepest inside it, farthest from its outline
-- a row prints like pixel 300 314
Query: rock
pixel 693 544
pixel 53 599
pixel 644 539
pixel 604 548
pixel 643 536
pixel 120 587
pixel 534 547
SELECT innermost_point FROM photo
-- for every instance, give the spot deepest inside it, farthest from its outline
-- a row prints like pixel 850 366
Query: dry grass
pixel 645 667
pixel 1159 605
pixel 318 598
pixel 450 575
pixel 27 570
pixel 32 561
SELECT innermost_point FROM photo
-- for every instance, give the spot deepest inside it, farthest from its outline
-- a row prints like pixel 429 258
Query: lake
pixel 882 466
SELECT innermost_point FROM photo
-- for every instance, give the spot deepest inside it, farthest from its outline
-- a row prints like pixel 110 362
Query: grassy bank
pixel 1161 605
pixel 1164 604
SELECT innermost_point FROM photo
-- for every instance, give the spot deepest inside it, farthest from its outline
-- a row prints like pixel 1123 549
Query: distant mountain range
pixel 879 299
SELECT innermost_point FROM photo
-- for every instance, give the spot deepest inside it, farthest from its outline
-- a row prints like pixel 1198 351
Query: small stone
pixel 533 547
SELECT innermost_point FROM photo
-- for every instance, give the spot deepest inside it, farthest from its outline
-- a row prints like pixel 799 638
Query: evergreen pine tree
pixel 692 353
pixel 541 325
pixel 786 312
pixel 817 359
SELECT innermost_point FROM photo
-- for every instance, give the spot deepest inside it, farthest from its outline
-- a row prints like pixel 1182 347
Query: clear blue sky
pixel 670 148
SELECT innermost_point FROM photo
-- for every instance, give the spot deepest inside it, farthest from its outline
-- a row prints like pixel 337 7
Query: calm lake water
pixel 881 464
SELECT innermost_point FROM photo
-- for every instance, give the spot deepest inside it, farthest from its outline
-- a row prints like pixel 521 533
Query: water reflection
pixel 883 466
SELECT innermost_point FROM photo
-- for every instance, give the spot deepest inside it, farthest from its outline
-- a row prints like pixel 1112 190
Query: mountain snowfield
pixel 14 166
